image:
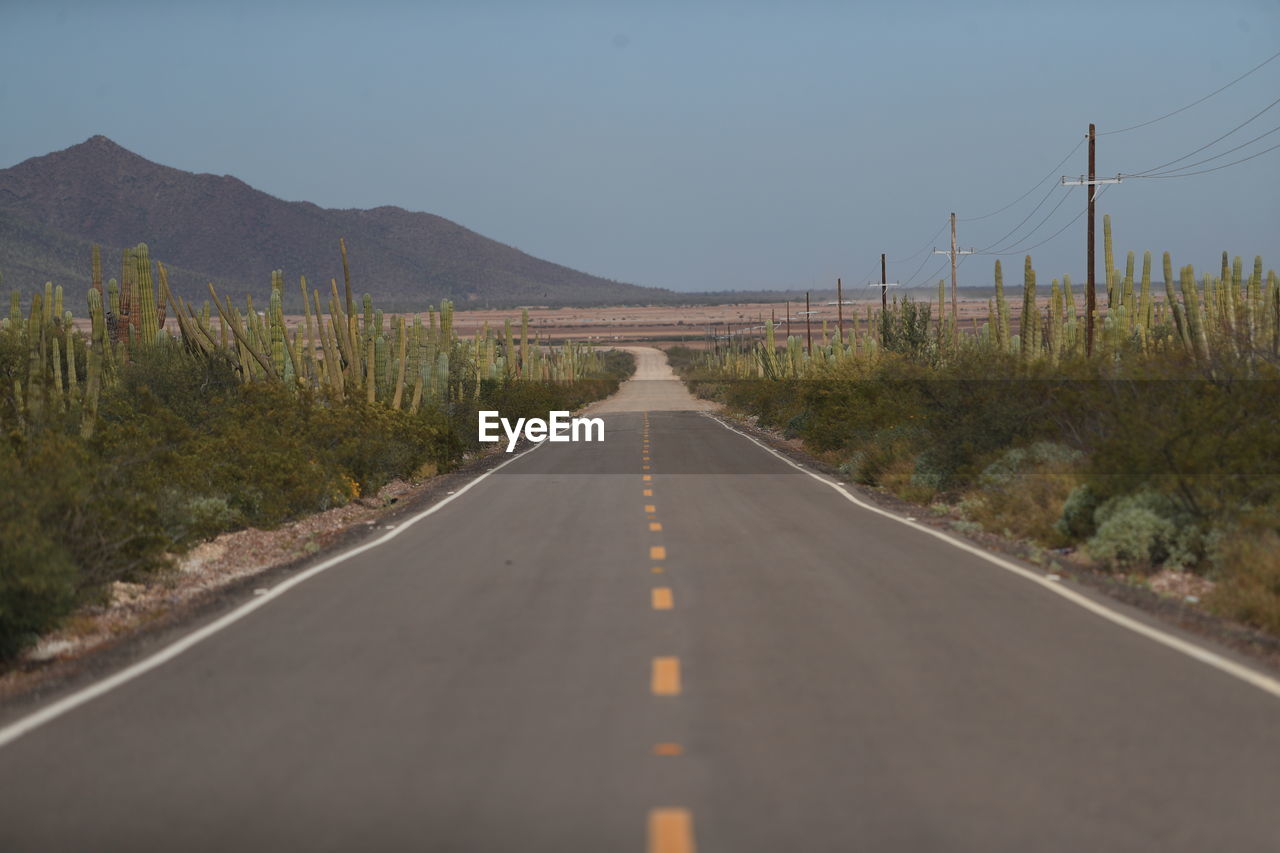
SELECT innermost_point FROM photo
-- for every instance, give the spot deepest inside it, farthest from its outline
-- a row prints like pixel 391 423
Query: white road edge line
pixel 33 721
pixel 1259 680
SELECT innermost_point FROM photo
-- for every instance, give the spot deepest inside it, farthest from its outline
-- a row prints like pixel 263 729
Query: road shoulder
pixel 1245 644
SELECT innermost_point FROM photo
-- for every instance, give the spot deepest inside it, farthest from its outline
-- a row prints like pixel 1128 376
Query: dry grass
pixel 1027 506
pixel 1249 588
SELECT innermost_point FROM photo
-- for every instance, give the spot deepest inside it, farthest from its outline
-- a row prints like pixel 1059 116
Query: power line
pixel 1210 144
pixel 923 264
pixel 1070 222
pixel 928 245
pixel 1012 230
pixel 1194 103
pixel 870 274
pixel 1176 174
pixel 1012 249
pixel 912 280
pixel 1210 159
pixel 941 267
pixel 1034 187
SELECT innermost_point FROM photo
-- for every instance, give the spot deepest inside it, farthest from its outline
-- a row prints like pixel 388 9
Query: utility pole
pixel 884 286
pixel 840 311
pixel 788 318
pixel 955 307
pixel 1091 184
pixel 808 330
pixel 1091 192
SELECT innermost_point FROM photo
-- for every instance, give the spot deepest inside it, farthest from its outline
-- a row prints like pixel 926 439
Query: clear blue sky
pixel 691 145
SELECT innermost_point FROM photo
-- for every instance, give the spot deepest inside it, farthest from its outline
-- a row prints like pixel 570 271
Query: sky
pixel 688 145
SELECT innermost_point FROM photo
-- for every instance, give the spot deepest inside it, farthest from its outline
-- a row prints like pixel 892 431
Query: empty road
pixel 668 642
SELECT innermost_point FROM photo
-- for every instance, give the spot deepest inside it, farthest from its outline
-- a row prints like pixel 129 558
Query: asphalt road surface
pixel 717 652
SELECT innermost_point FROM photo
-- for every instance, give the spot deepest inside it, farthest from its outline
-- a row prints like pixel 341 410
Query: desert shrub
pixel 202 517
pixel 906 330
pixel 930 472
pixel 183 383
pixel 68 527
pixel 797 424
pixel 1209 444
pixel 38 578
pixel 1022 492
pixel 1246 560
pixel 1145 529
pixel 1076 522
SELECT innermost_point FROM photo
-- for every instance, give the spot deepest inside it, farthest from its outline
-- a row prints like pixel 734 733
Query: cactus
pixel 57 390
pixel 1195 319
pixel 73 382
pixel 275 318
pixel 371 375
pixel 1127 294
pixel 402 360
pixel 16 322
pixel 524 341
pixel 92 390
pixel 1002 308
pixel 1109 259
pixel 1030 331
pixel 148 319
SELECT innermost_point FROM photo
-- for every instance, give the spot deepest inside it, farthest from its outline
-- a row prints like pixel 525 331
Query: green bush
pixel 1023 491
pixel 38 577
pixel 1143 530
pixel 1247 563
pixel 184 451
pixel 1076 522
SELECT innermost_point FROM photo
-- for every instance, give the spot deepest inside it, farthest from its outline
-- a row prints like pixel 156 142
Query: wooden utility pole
pixel 955 307
pixel 884 286
pixel 840 311
pixel 808 330
pixel 1091 295
pixel 1091 184
pixel 788 318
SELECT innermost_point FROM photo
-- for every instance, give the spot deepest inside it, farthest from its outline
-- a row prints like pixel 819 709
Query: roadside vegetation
pixel 122 448
pixel 1160 450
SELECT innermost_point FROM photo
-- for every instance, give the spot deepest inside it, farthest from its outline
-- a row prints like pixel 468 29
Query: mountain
pixel 218 228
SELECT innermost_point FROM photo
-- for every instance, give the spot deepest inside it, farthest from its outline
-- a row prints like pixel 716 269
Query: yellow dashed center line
pixel 671 831
pixel 665 677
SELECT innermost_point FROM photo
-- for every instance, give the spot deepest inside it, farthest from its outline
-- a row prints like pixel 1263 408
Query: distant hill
pixel 220 229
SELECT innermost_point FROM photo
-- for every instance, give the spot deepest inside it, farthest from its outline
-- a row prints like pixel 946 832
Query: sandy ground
pixel 689 324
